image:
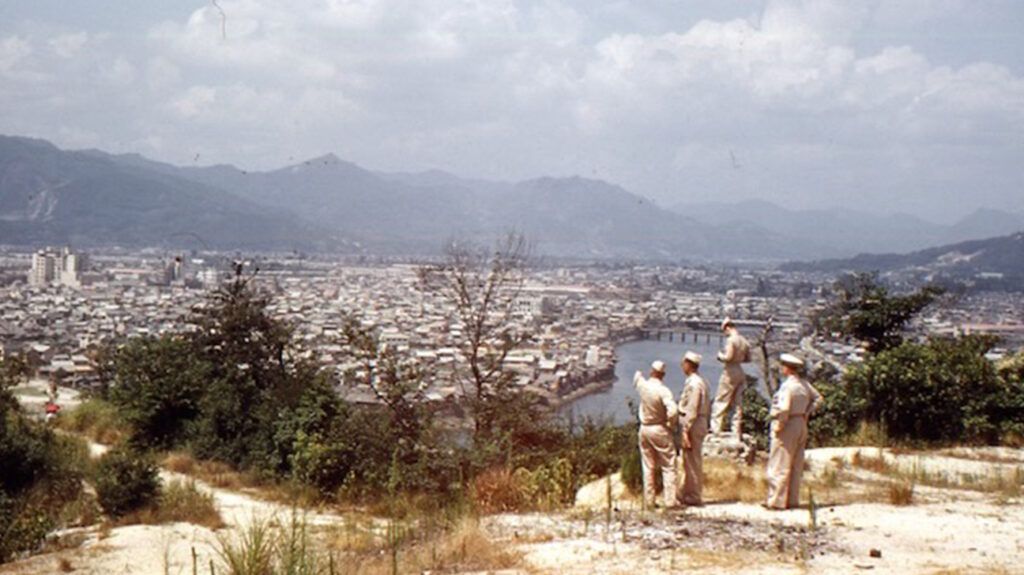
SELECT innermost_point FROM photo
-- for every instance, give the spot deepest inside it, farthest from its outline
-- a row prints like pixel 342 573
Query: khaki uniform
pixel 731 384
pixel 694 408
pixel 795 401
pixel 658 417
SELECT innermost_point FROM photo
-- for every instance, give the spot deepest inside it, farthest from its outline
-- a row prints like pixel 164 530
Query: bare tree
pixel 483 285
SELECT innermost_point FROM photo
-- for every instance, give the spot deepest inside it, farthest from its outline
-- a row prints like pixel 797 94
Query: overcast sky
pixel 902 105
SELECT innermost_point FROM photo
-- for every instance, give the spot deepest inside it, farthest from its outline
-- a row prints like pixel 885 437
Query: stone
pixel 876 553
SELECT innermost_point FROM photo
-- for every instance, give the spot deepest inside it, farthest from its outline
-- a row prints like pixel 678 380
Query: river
pixel 612 403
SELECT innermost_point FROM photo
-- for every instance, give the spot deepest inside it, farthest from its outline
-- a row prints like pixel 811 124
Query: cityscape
pixel 60 306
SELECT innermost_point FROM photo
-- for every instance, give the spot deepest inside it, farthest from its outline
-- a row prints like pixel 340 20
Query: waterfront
pixel 613 403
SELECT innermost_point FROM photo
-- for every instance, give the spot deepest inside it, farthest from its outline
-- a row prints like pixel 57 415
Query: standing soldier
pixel 694 408
pixel 733 380
pixel 658 417
pixel 794 402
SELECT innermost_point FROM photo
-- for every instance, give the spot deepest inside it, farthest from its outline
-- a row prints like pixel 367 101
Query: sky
pixel 910 106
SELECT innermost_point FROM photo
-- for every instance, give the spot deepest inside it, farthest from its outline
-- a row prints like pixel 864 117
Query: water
pixel 612 403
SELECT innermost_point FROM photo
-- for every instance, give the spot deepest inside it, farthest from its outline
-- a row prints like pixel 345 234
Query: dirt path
pixel 160 549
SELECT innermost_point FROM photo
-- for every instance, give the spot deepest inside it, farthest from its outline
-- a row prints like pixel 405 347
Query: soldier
pixel 694 408
pixel 733 380
pixel 794 402
pixel 658 417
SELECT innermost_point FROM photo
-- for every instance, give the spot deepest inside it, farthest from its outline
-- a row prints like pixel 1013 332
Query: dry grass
pixel 901 493
pixel 496 491
pixel 875 464
pixel 64 565
pixel 729 481
pixel 464 548
pixel 180 502
pixel 95 419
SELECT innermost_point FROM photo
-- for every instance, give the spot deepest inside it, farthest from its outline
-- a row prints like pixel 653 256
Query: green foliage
pixel 157 384
pixel 755 414
pixel 97 419
pixel 865 310
pixel 125 481
pixel 632 470
pixel 41 476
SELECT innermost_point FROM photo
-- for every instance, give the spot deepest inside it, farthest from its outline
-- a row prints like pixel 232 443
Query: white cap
pixel 791 360
pixel 658 365
pixel 692 357
pixel 726 322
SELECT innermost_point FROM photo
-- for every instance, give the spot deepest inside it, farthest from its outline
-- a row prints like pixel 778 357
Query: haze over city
pixel 878 106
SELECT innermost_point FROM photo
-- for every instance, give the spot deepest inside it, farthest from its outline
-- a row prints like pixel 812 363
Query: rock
pixel 728 446
pixel 875 553
pixel 594 495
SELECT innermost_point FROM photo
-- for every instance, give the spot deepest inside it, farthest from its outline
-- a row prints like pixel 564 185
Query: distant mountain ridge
pixel 51 196
pixel 999 259
pixel 92 197
pixel 844 233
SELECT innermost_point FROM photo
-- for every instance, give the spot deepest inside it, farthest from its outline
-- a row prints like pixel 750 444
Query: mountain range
pixel 999 258
pixel 53 196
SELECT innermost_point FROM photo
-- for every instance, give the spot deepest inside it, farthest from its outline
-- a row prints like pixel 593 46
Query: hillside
pixel 999 259
pixel 50 196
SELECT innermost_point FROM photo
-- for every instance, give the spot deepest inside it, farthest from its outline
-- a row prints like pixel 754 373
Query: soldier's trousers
pixel 729 398
pixel 658 452
pixel 693 464
pixel 786 464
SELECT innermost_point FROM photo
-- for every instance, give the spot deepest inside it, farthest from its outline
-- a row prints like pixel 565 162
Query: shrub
pixel 126 480
pixel 632 471
pixel 41 477
pixel 755 414
pixel 96 419
pixel 498 490
pixel 157 383
pixel 183 501
pixel 901 493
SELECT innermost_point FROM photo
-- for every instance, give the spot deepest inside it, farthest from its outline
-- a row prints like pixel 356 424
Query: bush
pixel 498 490
pixel 126 480
pixel 755 414
pixel 632 471
pixel 157 383
pixel 41 477
pixel 96 419
pixel 183 501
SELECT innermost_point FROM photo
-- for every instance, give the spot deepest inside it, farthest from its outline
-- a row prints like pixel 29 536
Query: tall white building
pixel 50 267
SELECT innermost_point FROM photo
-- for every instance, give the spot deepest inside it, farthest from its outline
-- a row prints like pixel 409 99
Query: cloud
pixel 656 96
pixel 12 51
pixel 69 45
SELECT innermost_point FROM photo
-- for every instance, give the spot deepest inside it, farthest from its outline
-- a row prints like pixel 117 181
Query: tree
pixel 864 309
pixel 252 375
pixel 483 286
pixel 157 383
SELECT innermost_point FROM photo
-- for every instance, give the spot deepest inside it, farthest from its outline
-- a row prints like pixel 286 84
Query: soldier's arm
pixel 691 408
pixel 817 400
pixel 671 411
pixel 729 353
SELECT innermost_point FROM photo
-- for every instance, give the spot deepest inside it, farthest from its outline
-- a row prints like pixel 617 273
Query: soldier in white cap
pixel 794 402
pixel 694 408
pixel 658 417
pixel 733 380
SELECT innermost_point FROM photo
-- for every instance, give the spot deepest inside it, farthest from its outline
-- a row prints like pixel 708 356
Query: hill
pixel 51 196
pixel 992 262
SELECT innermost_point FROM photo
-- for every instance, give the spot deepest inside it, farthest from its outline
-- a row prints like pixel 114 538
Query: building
pixel 50 267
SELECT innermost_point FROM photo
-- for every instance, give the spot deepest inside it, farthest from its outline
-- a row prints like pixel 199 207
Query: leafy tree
pixel 251 375
pixel 157 384
pixel 865 310
pixel 940 391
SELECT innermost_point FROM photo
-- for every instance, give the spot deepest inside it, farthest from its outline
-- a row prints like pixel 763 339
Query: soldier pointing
pixel 658 417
